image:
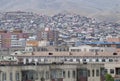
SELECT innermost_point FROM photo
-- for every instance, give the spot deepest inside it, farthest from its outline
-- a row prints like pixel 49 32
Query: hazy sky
pixel 85 5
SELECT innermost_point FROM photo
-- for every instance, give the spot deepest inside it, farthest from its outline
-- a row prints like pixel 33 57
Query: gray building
pixel 51 72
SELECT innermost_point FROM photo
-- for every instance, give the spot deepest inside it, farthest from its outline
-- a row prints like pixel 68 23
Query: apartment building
pixel 14 38
pixel 48 35
pixel 59 65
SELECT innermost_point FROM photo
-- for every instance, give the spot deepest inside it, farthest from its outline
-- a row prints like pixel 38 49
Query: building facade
pixel 58 64
pixel 48 35
pixel 51 72
pixel 14 38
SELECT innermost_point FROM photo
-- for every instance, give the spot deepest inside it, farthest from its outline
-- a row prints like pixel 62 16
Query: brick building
pixel 48 35
pixel 15 38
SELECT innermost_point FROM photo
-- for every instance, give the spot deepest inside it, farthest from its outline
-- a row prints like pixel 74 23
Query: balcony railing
pixel 117 76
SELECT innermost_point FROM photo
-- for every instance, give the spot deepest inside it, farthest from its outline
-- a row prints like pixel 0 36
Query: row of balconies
pixel 61 60
pixel 69 60
pixel 8 58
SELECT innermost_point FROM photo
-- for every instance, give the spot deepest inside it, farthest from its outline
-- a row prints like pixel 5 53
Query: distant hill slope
pixel 101 9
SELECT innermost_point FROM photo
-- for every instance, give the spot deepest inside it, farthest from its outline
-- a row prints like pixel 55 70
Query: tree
pixel 42 79
pixel 108 77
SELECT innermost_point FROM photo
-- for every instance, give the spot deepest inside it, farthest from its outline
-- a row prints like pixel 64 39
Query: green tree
pixel 108 77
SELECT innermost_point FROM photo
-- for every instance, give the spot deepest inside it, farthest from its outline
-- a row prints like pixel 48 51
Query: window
pixel 42 73
pixel 103 60
pixel 93 72
pixel 56 49
pixel 0 36
pixel 44 35
pixel 90 60
pixel 71 60
pixel 36 75
pixel 110 60
pixel 102 71
pixel 102 50
pixel 88 73
pixel 63 74
pixel 68 74
pixel 73 74
pixel 11 76
pixel 47 75
pixel 105 71
pixel 3 76
pixel 78 60
pixel 2 57
pixel 97 60
pixel 117 46
pixel 16 43
pixel 112 71
pixel 27 61
pixel 82 72
pixel 14 37
pixel 91 50
pixel 97 72
pixel 78 50
pixel 84 60
pixel 117 70
pixel 73 50
pixel 17 76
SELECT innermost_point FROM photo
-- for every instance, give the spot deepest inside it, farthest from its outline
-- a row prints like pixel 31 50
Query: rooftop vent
pixel 70 53
pixel 50 53
pixel 114 53
pixel 15 53
pixel 33 53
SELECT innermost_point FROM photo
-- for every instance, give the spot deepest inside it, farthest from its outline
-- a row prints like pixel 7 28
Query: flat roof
pixel 71 54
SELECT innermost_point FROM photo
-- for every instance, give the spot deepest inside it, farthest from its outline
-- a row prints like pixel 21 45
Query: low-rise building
pixel 62 65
